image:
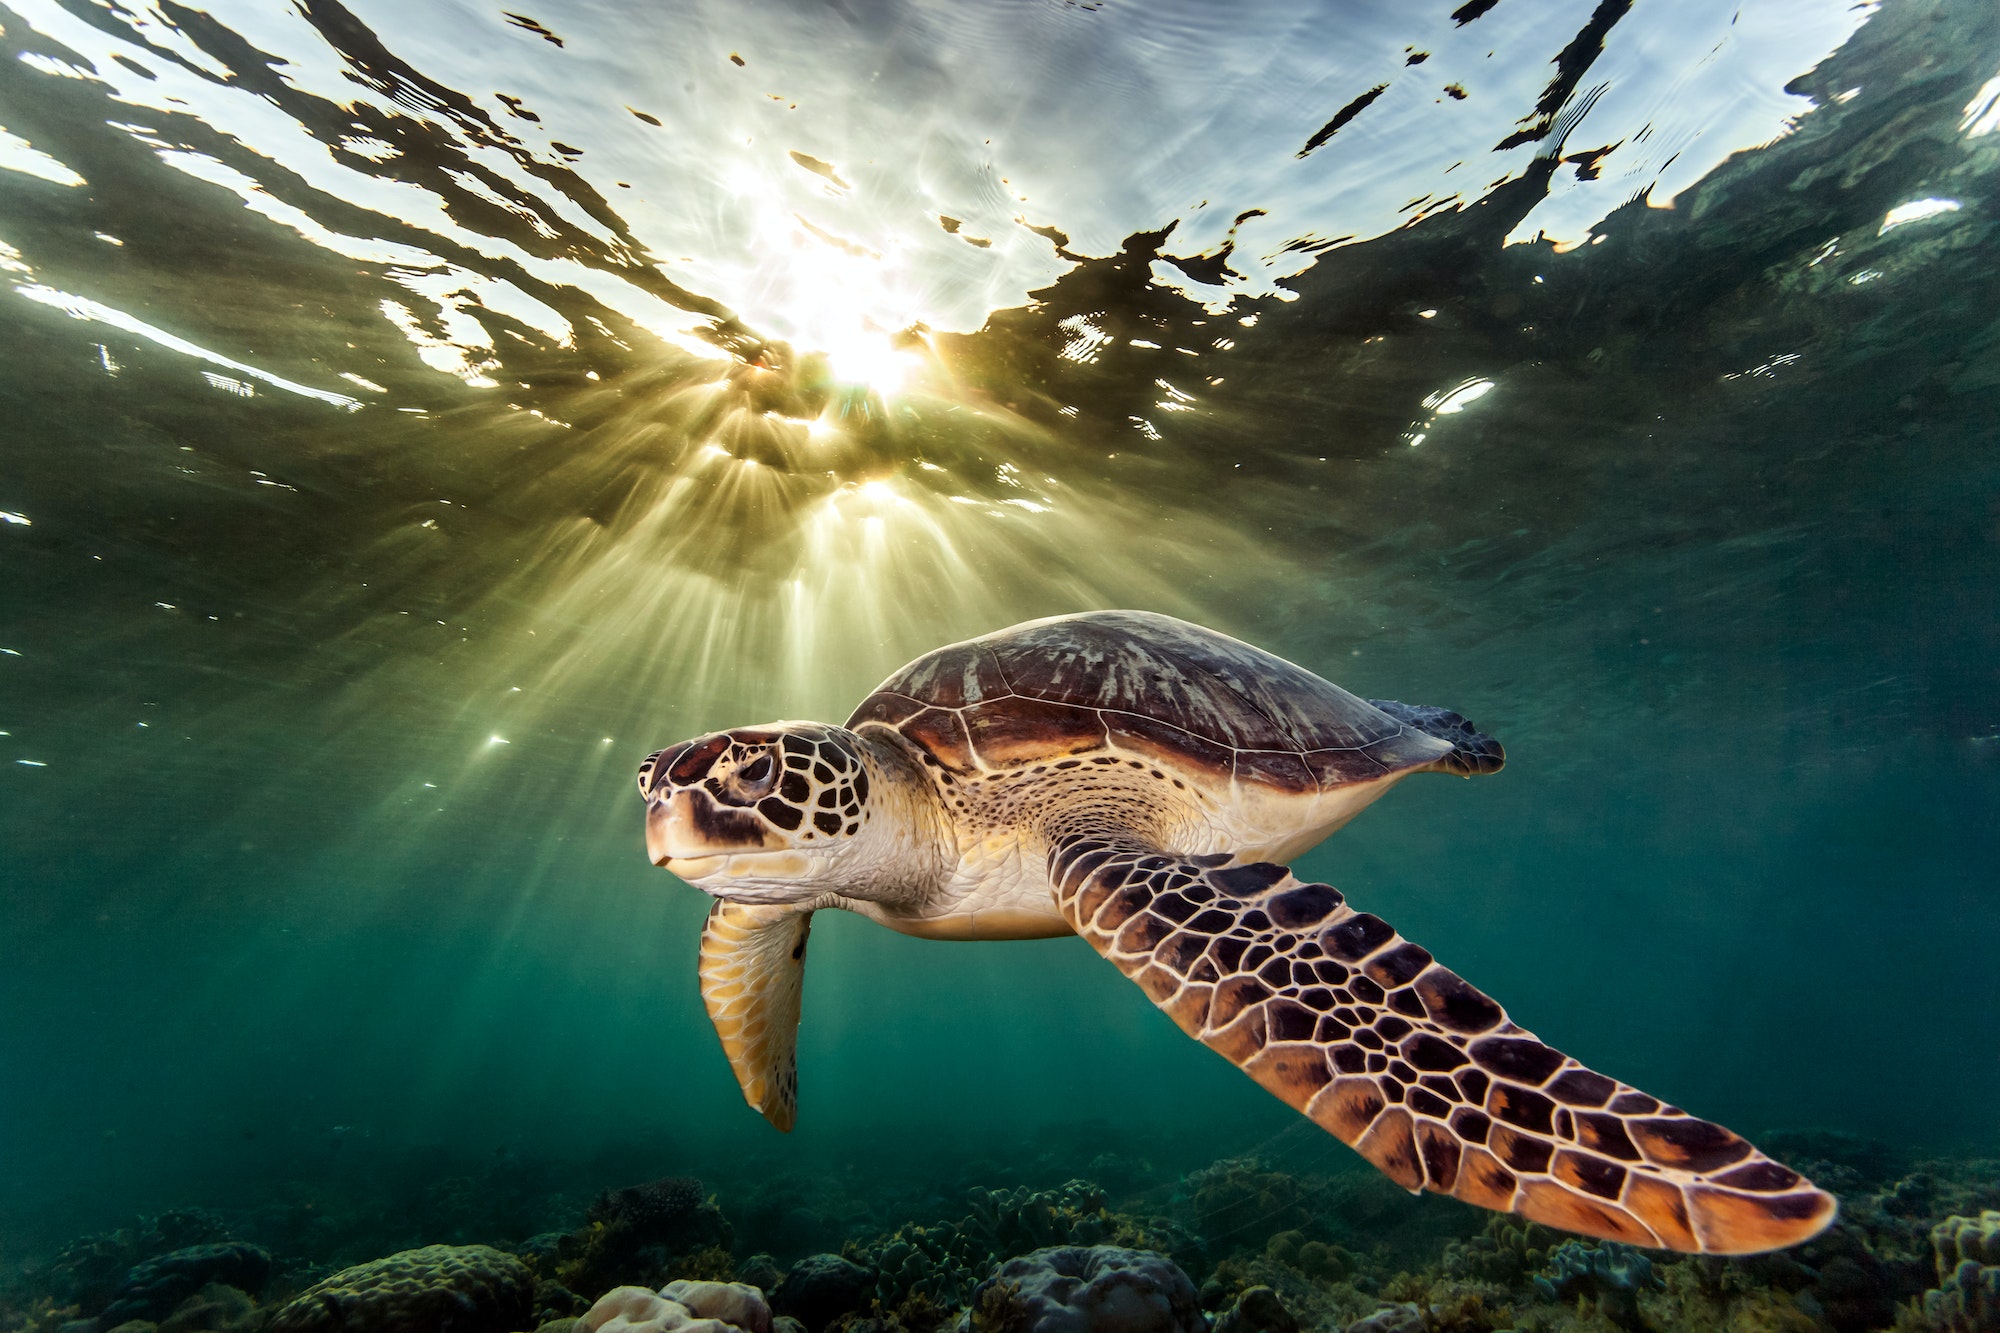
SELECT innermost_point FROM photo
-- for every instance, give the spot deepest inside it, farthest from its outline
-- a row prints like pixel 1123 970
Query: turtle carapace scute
pixel 1142 782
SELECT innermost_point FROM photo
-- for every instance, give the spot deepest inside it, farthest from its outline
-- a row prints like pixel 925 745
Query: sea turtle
pixel 1140 781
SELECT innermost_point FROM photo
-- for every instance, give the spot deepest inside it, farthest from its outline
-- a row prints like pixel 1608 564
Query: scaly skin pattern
pixel 1394 1054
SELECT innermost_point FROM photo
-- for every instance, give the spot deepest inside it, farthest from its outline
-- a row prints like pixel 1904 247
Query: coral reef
pixel 152 1290
pixel 761 1271
pixel 1836 1279
pixel 1506 1253
pixel 1607 1274
pixel 1256 1310
pixel 1406 1317
pixel 90 1272
pixel 1237 1204
pixel 1914 1252
pixel 820 1288
pixel 467 1288
pixel 1450 1305
pixel 646 1234
pixel 1967 1297
pixel 214 1309
pixel 1713 1296
pixel 1316 1259
pixel 1835 1159
pixel 944 1262
pixel 679 1307
pixel 734 1303
pixel 1010 1222
pixel 939 1263
pixel 1099 1289
pixel 1310 1278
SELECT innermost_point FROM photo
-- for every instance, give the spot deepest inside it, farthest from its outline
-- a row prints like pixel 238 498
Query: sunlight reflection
pixel 82 307
pixel 17 154
pixel 1916 210
pixel 1982 113
pixel 848 301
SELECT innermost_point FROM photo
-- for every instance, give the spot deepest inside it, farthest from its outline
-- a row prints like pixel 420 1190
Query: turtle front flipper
pixel 1340 1017
pixel 752 977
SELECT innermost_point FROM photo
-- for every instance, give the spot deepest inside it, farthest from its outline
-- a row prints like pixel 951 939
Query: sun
pixel 867 357
pixel 848 299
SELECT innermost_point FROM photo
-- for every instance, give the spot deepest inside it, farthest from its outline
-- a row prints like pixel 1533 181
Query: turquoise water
pixel 412 420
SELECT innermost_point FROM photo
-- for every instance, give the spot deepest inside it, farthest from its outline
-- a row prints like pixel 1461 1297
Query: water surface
pixel 417 414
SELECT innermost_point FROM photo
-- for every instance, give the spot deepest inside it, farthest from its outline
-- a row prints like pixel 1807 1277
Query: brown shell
pixel 1067 685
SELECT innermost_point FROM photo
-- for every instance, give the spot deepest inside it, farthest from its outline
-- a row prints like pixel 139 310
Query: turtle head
pixel 763 813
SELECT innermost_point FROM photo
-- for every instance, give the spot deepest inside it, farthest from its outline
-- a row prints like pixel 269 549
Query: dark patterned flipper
pixel 752 977
pixel 1421 1073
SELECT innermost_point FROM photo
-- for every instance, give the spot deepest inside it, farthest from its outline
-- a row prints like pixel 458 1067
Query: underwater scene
pixel 515 522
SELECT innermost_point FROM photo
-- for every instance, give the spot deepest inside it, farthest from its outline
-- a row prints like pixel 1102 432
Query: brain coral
pixel 465 1288
pixel 734 1303
pixel 1102 1289
pixel 679 1307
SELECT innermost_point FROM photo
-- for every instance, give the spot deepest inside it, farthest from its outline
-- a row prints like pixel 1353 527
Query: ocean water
pixel 411 416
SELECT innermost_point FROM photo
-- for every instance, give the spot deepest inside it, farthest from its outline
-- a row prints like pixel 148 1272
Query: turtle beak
pixel 689 834
pixel 659 829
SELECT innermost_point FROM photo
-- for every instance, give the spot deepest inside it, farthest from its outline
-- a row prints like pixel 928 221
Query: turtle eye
pixel 756 778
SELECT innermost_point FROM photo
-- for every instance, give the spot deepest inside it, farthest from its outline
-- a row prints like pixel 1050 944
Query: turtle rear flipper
pixel 752 978
pixel 1341 1018
pixel 1473 752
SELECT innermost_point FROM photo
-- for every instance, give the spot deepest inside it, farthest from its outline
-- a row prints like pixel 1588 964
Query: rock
pixel 1102 1289
pixel 466 1288
pixel 820 1288
pixel 153 1289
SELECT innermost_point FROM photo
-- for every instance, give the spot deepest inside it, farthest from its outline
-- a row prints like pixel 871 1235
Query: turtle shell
pixel 1068 685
